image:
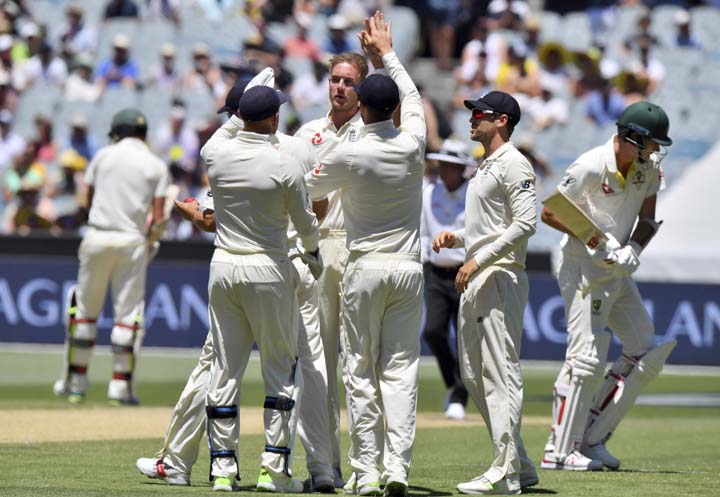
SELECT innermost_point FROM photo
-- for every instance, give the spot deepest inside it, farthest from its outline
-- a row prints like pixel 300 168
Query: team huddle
pixel 318 261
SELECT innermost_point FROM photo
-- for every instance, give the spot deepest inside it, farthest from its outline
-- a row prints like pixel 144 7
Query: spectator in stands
pixel 80 140
pixel 683 36
pixel 473 89
pixel 68 192
pixel 633 87
pixel 646 66
pixel 300 45
pixel 508 14
pixel 11 144
pixel 643 31
pixel 119 70
pixel 166 76
pixel 169 9
pixel 444 16
pixel 15 73
pixel 177 144
pixel 484 43
pixel 121 8
pixel 76 34
pixel 8 95
pixel 44 144
pixel 604 105
pixel 29 43
pixel 547 109
pixel 337 41
pixel 24 167
pixel 204 74
pixel 602 15
pixel 553 57
pixel 519 74
pixel 80 86
pixel 30 211
pixel 311 89
pixel 531 38
pixel 45 68
pixel 589 77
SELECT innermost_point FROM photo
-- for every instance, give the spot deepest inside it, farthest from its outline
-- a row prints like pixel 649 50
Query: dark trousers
pixel 442 303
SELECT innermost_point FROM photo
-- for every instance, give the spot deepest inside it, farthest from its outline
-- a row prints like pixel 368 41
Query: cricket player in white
pixel 500 216
pixel 180 447
pixel 380 179
pixel 125 181
pixel 616 186
pixel 255 187
pixel 343 123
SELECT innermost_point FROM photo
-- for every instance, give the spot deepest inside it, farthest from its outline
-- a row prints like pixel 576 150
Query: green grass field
pixel 666 451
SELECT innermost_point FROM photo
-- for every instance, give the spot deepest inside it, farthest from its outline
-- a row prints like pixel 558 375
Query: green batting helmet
pixel 128 122
pixel 647 120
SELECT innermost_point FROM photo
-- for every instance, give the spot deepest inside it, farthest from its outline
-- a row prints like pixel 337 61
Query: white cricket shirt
pixel 380 176
pixel 613 202
pixel 325 137
pixel 126 176
pixel 500 210
pixel 442 210
pixel 254 188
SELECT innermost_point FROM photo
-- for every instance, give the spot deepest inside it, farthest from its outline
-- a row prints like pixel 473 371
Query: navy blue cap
pixel 497 101
pixel 379 92
pixel 233 96
pixel 260 102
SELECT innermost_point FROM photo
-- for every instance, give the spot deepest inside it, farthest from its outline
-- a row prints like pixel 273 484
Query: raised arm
pixel 376 41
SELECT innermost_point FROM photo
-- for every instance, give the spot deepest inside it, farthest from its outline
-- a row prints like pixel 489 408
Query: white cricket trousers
pixel 381 314
pixel 491 325
pixel 124 269
pixel 333 249
pixel 252 299
pixel 188 420
pixel 593 301
pixel 312 412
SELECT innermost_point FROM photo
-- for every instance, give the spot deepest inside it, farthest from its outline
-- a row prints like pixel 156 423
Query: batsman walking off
pixel 500 216
pixel 616 185
pixel 125 181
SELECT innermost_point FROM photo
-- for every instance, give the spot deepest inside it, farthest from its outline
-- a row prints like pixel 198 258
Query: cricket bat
pixel 572 216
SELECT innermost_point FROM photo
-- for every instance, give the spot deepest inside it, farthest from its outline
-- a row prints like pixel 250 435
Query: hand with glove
pixel 311 259
pixel 627 261
pixel 605 255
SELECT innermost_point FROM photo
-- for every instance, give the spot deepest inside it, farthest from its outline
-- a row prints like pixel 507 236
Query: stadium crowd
pixel 500 44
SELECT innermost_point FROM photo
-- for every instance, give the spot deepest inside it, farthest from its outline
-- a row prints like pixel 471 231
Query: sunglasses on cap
pixel 481 113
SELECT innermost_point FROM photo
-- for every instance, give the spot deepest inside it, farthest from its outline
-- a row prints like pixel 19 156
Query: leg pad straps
pixel 279 403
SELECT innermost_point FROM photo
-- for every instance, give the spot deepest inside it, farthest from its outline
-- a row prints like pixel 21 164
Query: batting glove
pixel 606 254
pixel 627 262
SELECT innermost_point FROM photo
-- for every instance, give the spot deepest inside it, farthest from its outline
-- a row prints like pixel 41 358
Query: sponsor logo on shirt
pixel 638 178
pixel 352 135
pixel 318 168
pixel 606 189
pixel 568 180
pixel 527 184
pixel 317 139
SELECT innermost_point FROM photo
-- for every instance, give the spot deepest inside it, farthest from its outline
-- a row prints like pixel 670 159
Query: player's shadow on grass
pixel 539 491
pixel 414 491
pixel 650 471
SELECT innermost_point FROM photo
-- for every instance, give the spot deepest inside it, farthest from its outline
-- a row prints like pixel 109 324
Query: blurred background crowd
pixel 67 67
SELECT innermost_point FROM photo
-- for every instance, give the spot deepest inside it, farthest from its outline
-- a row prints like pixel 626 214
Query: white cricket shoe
pixel 278 484
pixel 482 486
pixel 574 461
pixel 350 486
pixel 157 469
pixel 600 452
pixel 223 484
pixel 455 410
